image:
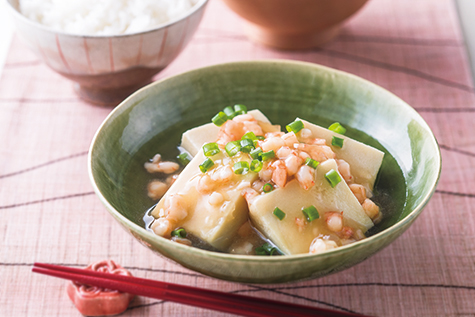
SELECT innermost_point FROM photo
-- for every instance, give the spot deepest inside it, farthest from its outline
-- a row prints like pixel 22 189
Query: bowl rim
pixel 17 14
pixel 245 258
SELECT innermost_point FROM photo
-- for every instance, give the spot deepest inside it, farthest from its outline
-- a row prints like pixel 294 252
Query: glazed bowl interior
pixel 153 119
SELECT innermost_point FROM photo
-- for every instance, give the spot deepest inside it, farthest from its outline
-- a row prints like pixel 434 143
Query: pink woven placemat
pixel 50 214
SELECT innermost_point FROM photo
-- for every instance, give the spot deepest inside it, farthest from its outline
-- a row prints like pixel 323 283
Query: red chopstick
pixel 188 295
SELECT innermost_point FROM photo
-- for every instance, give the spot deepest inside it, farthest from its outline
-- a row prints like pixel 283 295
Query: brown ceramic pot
pixel 294 24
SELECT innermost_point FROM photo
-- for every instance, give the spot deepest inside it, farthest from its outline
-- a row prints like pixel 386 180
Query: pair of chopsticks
pixel 188 295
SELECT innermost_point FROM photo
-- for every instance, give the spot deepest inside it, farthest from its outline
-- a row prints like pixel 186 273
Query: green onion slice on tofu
pixel 333 178
pixel 249 135
pixel 240 109
pixel 279 213
pixel 338 142
pixel 241 167
pixel 247 145
pixel 233 148
pixel 295 126
pixel 268 155
pixel 256 153
pixel 219 119
pixel 311 162
pixel 206 165
pixel 210 149
pixel 184 158
pixel 267 188
pixel 256 166
pixel 311 213
pixel 337 127
pixel 230 113
pixel 181 233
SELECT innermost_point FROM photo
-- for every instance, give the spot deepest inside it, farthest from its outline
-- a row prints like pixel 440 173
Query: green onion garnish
pixel 333 178
pixel 268 155
pixel 247 145
pixel 260 137
pixel 220 118
pixel 210 149
pixel 184 158
pixel 241 167
pixel 295 126
pixel 256 166
pixel 267 188
pixel 206 165
pixel 256 153
pixel 338 142
pixel 233 148
pixel 337 127
pixel 240 109
pixel 249 135
pixel 267 249
pixel 230 113
pixel 311 213
pixel 181 233
pixel 278 213
pixel 311 162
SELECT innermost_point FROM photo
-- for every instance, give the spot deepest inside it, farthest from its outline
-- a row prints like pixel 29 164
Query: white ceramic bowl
pixel 106 69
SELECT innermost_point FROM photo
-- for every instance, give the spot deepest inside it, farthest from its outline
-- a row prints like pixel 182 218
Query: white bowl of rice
pixel 109 48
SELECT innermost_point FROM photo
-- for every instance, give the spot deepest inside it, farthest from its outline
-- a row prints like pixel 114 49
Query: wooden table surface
pixel 49 212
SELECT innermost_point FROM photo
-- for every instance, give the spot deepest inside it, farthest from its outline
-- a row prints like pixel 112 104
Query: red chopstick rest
pixel 97 301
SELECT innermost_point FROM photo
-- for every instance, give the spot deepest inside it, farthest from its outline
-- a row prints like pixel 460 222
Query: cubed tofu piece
pixel 364 160
pixel 193 139
pixel 292 238
pixel 214 216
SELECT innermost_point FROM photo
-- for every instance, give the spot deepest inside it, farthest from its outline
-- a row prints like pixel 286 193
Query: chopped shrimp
pixel 347 232
pixel 162 227
pixel 215 199
pixel 274 134
pixel 230 131
pixel 249 194
pixel 223 174
pixel 334 221
pixel 266 173
pixel 305 177
pixel 171 179
pixel 279 176
pixel 319 153
pixel 359 191
pixel 303 155
pixel 272 143
pixel 156 189
pixel 205 184
pixel 300 224
pixel 305 133
pixel 292 164
pixel 318 142
pixel 257 185
pixel 370 208
pixel 157 166
pixel 344 169
pixel 244 117
pixel 290 139
pixel 253 127
pixel 283 152
pixel 174 208
pixel 319 245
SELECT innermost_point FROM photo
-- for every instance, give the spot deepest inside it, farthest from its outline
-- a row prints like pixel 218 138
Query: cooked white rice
pixel 104 17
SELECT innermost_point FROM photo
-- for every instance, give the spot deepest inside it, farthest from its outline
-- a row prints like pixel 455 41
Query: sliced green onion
pixel 333 178
pixel 256 153
pixel 311 213
pixel 184 158
pixel 260 137
pixel 267 249
pixel 311 162
pixel 337 127
pixel 268 155
pixel 249 135
pixel 181 233
pixel 256 166
pixel 219 119
pixel 230 113
pixel 233 148
pixel 210 149
pixel 267 188
pixel 241 167
pixel 206 165
pixel 295 126
pixel 279 213
pixel 247 145
pixel 338 142
pixel 240 109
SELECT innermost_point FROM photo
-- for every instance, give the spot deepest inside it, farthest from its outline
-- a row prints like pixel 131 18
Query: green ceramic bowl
pixel 153 119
